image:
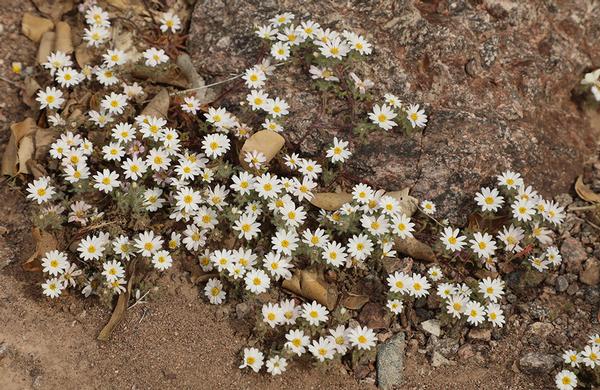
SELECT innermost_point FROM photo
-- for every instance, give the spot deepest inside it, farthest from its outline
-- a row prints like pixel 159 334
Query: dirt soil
pixel 174 341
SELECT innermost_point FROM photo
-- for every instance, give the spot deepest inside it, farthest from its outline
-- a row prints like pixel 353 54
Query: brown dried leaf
pixel 30 87
pixel 585 192
pixel 46 46
pixel 330 201
pixel 136 6
pixel 10 159
pixel 354 301
pixel 159 105
pixel 408 204
pixel 170 75
pixel 25 153
pixel 184 62
pixel 84 55
pixel 415 249
pixel 64 41
pixel 44 242
pixel 34 27
pixel 54 8
pixel 310 284
pixel 267 142
pixel 120 307
pixel 43 139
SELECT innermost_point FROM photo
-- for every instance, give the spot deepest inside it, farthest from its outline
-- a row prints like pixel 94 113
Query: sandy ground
pixel 174 341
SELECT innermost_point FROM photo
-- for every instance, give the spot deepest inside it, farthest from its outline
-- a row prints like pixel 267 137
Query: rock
pixel 390 362
pixel 573 254
pixel 538 363
pixel 590 274
pixel 437 359
pixel 561 284
pixel 447 347
pixel 540 329
pixel 480 334
pixel 466 351
pixel 374 316
pixel 432 327
pixel 489 109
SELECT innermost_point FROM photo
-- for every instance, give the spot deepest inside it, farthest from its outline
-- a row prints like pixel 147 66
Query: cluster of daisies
pixel 588 358
pixel 529 231
pixel 297 322
pixel 591 82
pixel 386 114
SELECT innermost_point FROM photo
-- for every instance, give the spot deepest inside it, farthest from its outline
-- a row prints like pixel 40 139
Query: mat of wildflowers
pixel 129 175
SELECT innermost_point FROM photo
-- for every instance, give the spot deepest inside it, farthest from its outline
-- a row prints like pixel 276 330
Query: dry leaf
pixel 121 306
pixel 170 75
pixel 84 55
pixel 10 159
pixel 408 204
pixel 136 6
pixel 330 201
pixel 34 27
pixel 354 301
pixel 46 46
pixel 30 87
pixel 266 142
pixel 159 105
pixel 25 153
pixel 415 249
pixel 64 41
pixel 124 41
pixel 44 242
pixel 54 8
pixel 36 169
pixel 311 285
pixel 184 62
pixel 585 192
pixel 43 139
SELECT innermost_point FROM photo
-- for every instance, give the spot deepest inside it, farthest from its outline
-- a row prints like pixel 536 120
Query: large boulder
pixel 496 79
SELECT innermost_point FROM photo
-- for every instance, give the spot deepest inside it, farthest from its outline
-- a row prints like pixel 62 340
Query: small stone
pixel 374 316
pixel 561 284
pixel 590 274
pixel 390 362
pixel 537 363
pixel 465 352
pixel 480 334
pixel 573 254
pixel 438 360
pixel 432 327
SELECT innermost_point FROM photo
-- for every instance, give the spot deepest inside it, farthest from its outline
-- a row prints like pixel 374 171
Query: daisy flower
pixel 40 190
pixel 382 116
pixel 56 61
pixel 322 73
pixel 428 207
pixel 255 159
pixel 55 262
pixel 215 145
pixel 290 312
pixel 68 77
pixel 323 349
pixel 339 338
pixel 276 365
pixel 339 151
pixel 161 260
pixel 272 314
pixel 416 116
pixel 314 313
pixel 511 238
pixel 334 48
pixel 280 51
pixel 114 57
pixel 362 337
pixel 399 282
pixel 475 313
pixel 52 288
pixel 148 243
pixel 492 289
pixel 590 356
pixel 495 315
pixel 334 254
pixel 297 341
pixel 565 380
pixel 510 180
pixel 257 281
pixel 483 245
pixel 523 210
pixel 395 306
pixel 253 358
pixel 310 169
pixel 214 291
pixel 361 85
pixel 51 98
pixel 254 77
pixel 360 247
pixel 95 35
pixel 276 107
pixel 402 226
pixel 539 263
pixel 452 240
pixel 572 357
pixel 317 239
pixel 113 270
pixel 155 56
pixel 170 21
pixel 91 248
pixel 285 241
pixel 96 16
pixel 247 226
pixel 434 273
pixel 114 103
pixel 281 19
pixel 190 104
pixel 418 286
pixel 456 305
pixel 489 200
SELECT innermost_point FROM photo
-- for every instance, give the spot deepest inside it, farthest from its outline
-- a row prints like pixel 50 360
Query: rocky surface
pixel 496 78
pixel 390 362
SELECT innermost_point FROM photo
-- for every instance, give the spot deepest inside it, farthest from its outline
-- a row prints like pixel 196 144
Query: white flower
pixel 416 117
pixel 91 248
pixel 428 207
pixel 285 241
pixel 339 151
pixel 289 311
pixel 55 262
pixel 161 260
pixel 276 365
pixel 360 247
pixel 114 103
pixel 572 357
pixel 322 349
pixel 395 306
pixel 106 181
pixel 253 358
pixel 255 159
pixel 376 226
pixel 456 305
pixel 451 239
pixel 123 132
pixel 310 169
pixel 276 107
pixel 591 356
pixel 435 273
pixel 56 61
pixel 255 77
pixel 147 243
pixel 52 287
pixel 511 238
pixel 96 16
pixel 68 77
pixel 553 256
pixel 539 263
pixel 40 190
pixel 334 48
pixel 511 180
pixel 257 99
pixel 361 85
pixel 492 289
pixel 495 315
pixel 359 43
pixel 475 313
pixel 113 270
pixel 339 339
pixel 106 76
pixel 314 313
pixel 297 341
pixel 565 380
pixel 214 291
pixel 247 226
pixel 122 247
pixel 170 21
pixel 281 19
pixel 257 281
pixel 95 35
pixel 155 56
pixel 219 117
pixel 418 286
pixel 362 337
pixel 402 226
pixel 382 116
pixel 266 32
pixel 334 254
pixel 523 210
pixel 215 145
pixel 322 73
pixel 489 200
pixel 190 104
pixel 114 57
pixel 134 168
pixel 399 282
pixel 280 51
pixel 51 98
pixel 483 245
pixel 272 314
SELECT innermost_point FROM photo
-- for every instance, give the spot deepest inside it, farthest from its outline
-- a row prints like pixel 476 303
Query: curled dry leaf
pixel 354 301
pixel 159 105
pixel 25 153
pixel 44 242
pixel 170 74
pixel 415 249
pixel 54 8
pixel 136 6
pixel 408 204
pixel 12 158
pixel 121 306
pixel 43 140
pixel 330 201
pixel 266 142
pixel 46 47
pixel 30 88
pixel 585 192
pixel 311 285
pixel 84 55
pixel 64 41
pixel 34 27
pixel 184 62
